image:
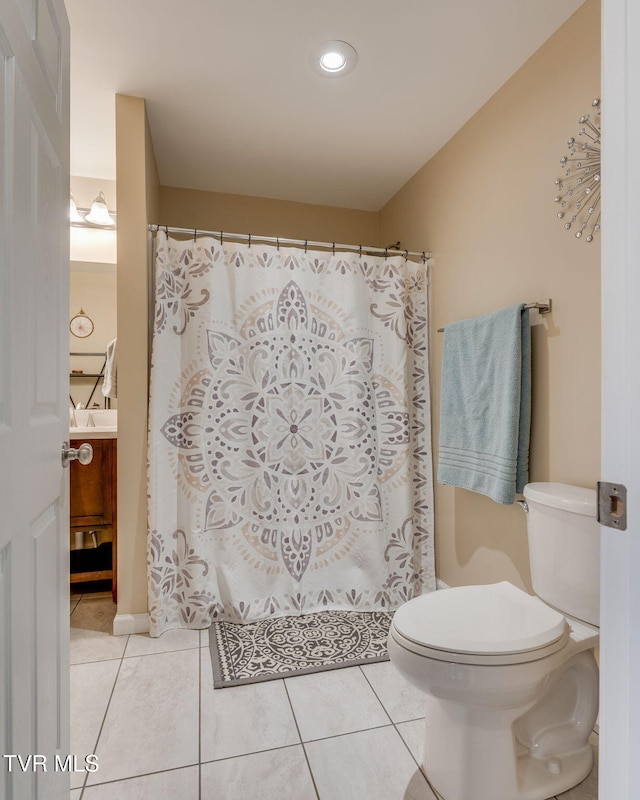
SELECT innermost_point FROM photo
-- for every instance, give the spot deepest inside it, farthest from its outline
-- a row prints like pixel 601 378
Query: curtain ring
pixel 333 248
pixel 306 242
pixel 406 255
pixel 385 251
pixel 195 234
pixel 166 231
pixel 249 240
pixel 221 238
pixel 360 251
pixel 424 257
pixel 278 243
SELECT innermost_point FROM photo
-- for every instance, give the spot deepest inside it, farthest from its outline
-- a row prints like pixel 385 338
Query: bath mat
pixel 286 646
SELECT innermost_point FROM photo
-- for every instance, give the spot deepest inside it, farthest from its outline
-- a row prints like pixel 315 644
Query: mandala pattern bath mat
pixel 286 646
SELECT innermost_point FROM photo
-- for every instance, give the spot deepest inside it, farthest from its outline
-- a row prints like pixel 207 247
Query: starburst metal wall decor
pixel 579 186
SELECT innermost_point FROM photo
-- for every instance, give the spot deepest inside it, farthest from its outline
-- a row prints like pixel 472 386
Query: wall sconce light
pixel 97 216
pixel 74 217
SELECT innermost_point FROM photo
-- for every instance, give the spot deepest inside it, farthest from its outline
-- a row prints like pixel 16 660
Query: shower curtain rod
pixel 278 240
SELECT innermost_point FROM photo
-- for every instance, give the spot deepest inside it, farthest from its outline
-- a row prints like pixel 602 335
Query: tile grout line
pixel 395 725
pixel 199 715
pixel 106 711
pixel 376 696
pixel 97 661
pixel 421 769
pixel 71 613
pixel 104 718
pixel 137 655
pixel 304 749
pixel 159 652
pixel 135 777
pixel 71 610
pixel 287 746
pixel 261 752
pixel 349 733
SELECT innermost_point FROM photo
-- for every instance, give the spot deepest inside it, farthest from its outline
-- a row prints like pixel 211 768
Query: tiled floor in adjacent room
pixel 147 708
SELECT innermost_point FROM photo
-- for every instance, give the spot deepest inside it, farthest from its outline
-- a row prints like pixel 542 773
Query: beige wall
pixel 484 206
pixel 188 208
pixel 137 190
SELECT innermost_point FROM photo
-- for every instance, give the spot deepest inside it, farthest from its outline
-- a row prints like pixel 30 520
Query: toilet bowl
pixel 510 681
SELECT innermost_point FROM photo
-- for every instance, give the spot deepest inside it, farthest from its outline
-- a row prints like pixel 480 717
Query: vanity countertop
pixel 94 432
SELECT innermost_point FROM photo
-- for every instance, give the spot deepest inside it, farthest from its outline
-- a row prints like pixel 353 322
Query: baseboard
pixel 124 624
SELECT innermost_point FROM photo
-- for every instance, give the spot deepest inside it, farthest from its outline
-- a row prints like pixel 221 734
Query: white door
pixel 34 519
pixel 620 617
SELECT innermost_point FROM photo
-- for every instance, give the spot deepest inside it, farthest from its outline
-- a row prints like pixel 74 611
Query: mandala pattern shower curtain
pixel 289 433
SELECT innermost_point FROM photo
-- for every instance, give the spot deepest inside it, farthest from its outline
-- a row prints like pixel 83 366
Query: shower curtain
pixel 289 433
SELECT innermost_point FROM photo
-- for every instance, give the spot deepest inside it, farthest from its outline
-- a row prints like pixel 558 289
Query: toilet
pixel 511 680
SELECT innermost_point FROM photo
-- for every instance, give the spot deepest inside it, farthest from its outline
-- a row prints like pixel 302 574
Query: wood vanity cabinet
pixel 93 507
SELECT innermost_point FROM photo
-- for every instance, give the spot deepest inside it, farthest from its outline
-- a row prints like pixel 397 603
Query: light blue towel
pixel 485 404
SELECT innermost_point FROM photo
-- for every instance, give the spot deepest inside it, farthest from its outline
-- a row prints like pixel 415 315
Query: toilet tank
pixel 564 548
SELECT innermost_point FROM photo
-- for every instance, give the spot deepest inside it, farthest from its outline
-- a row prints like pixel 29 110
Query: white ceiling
pixel 234 105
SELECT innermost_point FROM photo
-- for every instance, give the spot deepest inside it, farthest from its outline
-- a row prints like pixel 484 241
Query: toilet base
pixel 577 766
pixel 575 769
pixel 485 774
pixel 508 754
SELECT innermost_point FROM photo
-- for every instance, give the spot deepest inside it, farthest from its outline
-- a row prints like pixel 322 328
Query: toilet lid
pixel 493 619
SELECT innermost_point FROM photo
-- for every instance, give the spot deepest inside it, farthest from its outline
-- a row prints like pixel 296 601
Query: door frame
pixel 620 602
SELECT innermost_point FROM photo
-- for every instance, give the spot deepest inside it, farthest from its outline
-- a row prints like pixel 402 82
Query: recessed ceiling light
pixel 334 58
pixel 332 61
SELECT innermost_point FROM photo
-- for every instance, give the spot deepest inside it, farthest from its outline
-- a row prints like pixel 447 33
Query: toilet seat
pixel 494 624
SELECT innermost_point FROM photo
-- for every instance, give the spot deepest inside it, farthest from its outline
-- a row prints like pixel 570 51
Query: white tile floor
pixel 147 708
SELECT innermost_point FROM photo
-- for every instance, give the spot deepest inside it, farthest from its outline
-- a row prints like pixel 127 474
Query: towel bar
pixel 543 308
